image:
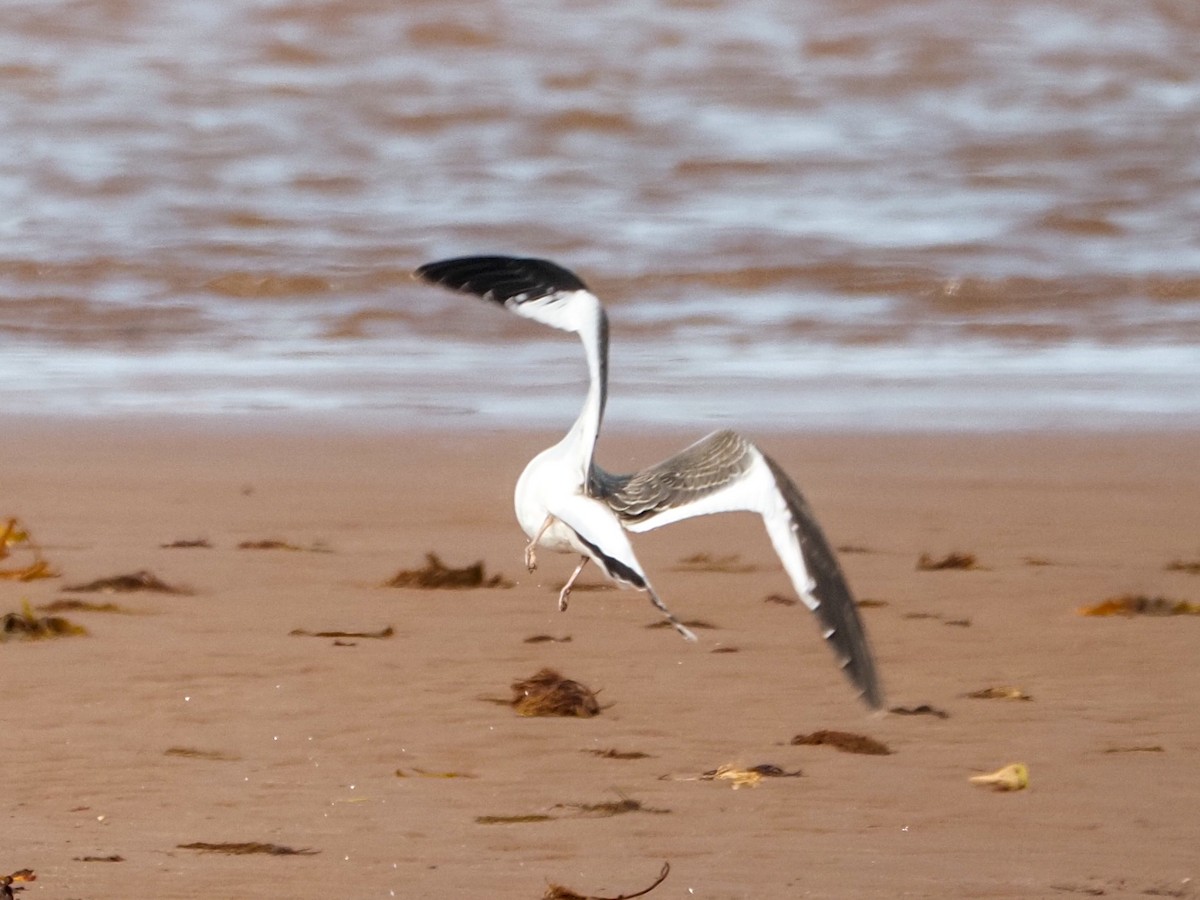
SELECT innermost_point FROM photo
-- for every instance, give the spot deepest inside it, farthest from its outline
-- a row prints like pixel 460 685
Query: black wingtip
pixel 837 611
pixel 503 279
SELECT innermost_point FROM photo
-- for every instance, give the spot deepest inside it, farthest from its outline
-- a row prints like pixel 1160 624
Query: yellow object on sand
pixel 1014 777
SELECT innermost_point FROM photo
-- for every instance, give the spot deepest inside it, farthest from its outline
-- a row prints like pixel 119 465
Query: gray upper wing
pixel 696 471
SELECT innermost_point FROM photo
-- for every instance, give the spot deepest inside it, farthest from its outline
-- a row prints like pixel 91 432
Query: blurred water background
pixel 862 214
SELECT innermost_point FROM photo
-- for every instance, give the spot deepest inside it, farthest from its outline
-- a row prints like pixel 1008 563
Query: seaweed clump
pixel 28 627
pixel 13 534
pixel 740 777
pixel 707 562
pixel 126 584
pixel 1141 605
pixel 558 892
pixel 437 575
pixel 926 563
pixel 1006 692
pixel 846 741
pixel 244 848
pixel 547 693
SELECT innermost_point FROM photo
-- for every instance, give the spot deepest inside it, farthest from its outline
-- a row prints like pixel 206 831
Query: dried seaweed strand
pixel 558 892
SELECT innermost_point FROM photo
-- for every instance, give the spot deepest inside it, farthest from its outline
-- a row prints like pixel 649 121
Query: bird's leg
pixel 670 616
pixel 530 548
pixel 566 591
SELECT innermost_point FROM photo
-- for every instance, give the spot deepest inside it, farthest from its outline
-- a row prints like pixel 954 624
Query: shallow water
pixel 936 214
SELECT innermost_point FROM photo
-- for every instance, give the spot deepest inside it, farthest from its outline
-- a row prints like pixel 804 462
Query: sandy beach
pixel 200 718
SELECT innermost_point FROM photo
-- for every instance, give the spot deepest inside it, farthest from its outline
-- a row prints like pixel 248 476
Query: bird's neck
pixel 580 441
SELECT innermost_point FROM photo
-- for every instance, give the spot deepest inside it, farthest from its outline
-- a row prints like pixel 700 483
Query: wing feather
pixel 507 280
pixel 836 608
pixel 725 472
pixel 697 472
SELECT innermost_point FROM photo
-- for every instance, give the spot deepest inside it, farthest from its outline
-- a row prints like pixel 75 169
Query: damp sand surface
pixel 395 765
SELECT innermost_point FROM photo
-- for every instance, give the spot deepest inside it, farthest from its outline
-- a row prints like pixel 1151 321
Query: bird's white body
pixel 565 503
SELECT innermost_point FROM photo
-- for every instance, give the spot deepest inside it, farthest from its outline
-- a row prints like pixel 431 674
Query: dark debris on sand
pixel 707 562
pixel 244 848
pixel 126 584
pixel 276 544
pixel 437 575
pixel 1141 605
pixel 547 693
pixel 25 626
pixel 387 632
pixel 846 741
pixel 1006 692
pixel 926 563
pixel 610 808
pixel 187 544
pixel 558 892
pixel 613 753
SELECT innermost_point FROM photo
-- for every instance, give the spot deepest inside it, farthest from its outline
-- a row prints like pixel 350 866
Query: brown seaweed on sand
pixel 437 575
pixel 1007 692
pixel 28 627
pixel 276 544
pixel 513 820
pixel 613 753
pixel 1141 605
pixel 547 693
pixel 1191 567
pixel 707 562
pixel 610 808
pixel 558 892
pixel 846 741
pixel 193 544
pixel 247 847
pixel 193 753
pixel 548 639
pixel 382 633
pixel 926 563
pixel 126 584
pixel 13 534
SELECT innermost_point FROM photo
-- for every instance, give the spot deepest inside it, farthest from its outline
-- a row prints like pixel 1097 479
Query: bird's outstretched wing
pixel 507 280
pixel 534 288
pixel 722 473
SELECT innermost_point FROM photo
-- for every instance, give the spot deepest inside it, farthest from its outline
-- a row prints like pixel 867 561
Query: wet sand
pixel 198 717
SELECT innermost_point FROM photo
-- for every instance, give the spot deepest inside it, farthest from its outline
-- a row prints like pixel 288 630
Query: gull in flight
pixel 565 502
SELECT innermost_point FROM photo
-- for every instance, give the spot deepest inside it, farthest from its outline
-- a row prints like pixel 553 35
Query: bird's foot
pixel 563 595
pixel 530 557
